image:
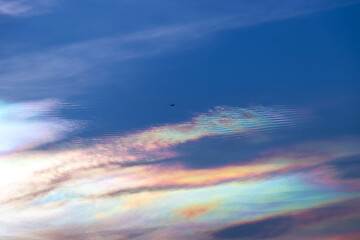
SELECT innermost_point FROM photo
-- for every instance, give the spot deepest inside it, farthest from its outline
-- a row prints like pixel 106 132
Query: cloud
pixel 268 228
pixel 55 168
pixel 299 225
pixel 28 125
pixel 18 8
pixel 236 203
pixel 117 187
pixel 194 211
pixel 347 168
pixel 160 177
pixel 60 68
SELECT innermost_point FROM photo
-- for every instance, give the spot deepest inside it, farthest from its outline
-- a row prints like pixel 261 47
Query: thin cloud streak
pixel 17 8
pixel 59 69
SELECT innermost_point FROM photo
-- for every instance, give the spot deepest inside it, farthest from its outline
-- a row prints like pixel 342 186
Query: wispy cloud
pixel 24 7
pixel 82 64
pixel 61 68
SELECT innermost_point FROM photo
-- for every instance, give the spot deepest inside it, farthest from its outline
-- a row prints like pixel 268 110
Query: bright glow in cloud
pixel 27 125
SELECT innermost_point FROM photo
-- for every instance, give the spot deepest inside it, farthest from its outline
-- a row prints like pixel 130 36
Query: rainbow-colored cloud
pixel 118 187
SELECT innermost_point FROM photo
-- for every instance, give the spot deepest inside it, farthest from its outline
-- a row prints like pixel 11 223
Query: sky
pixel 263 140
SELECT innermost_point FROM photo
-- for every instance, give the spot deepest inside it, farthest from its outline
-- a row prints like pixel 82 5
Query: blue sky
pixel 269 88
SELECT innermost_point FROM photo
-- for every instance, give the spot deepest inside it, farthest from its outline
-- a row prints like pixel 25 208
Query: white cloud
pixel 30 124
pixel 24 7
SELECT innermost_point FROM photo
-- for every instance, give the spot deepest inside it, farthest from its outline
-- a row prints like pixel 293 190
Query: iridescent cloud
pixel 117 188
pixel 49 169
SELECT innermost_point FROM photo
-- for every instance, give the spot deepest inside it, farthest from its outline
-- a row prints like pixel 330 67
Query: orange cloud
pixel 194 211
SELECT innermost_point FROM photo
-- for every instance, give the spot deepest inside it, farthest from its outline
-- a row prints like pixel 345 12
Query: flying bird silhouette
pixel 172 105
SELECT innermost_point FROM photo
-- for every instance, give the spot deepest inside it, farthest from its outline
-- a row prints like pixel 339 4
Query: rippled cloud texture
pixel 132 187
